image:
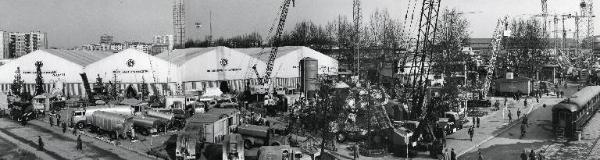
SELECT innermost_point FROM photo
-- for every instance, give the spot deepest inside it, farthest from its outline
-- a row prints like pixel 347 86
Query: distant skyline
pixel 72 23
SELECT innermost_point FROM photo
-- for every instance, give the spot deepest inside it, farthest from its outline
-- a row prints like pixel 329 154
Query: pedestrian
pixel 518 113
pixel 74 131
pixel 562 94
pixel 446 154
pixel 79 143
pixel 480 157
pixel 40 144
pixel 523 130
pixel 505 100
pixel 525 102
pixel 356 152
pixel 523 155
pixel 525 120
pixel 532 155
pixel 478 122
pixel 51 120
pixel 537 99
pixel 64 127
pixel 509 116
pixel 471 132
pixel 57 119
pixel 452 155
pixel 474 122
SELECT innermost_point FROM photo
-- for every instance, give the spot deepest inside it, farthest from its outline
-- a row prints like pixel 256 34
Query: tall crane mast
pixel 356 17
pixel 275 42
pixel 545 16
pixel 424 48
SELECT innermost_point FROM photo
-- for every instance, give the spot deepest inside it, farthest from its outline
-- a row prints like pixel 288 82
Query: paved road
pixel 508 144
pixel 62 146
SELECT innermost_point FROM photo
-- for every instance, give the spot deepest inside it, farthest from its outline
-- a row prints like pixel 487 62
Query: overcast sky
pixel 71 23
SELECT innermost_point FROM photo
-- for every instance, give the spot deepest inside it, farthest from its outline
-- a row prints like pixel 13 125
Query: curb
pixel 498 133
pixel 97 138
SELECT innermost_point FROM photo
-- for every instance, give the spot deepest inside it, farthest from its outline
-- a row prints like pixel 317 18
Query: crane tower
pixel 179 22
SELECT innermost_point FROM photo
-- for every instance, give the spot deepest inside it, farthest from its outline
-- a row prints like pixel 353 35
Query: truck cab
pixel 78 118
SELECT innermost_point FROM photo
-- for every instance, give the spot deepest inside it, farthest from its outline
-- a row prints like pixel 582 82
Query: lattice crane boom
pixel 276 38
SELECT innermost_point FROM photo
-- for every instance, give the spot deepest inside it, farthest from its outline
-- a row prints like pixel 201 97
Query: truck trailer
pixel 79 117
pixel 116 125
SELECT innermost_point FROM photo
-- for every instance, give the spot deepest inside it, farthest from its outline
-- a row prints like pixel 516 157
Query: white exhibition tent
pixel 201 68
pixel 132 68
pixel 288 58
pixel 59 67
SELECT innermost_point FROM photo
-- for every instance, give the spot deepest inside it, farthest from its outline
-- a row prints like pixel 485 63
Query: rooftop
pixel 78 56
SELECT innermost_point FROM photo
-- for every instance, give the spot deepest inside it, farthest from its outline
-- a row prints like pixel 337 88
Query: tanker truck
pixel 79 117
pixel 116 125
pixel 147 125
pixel 168 119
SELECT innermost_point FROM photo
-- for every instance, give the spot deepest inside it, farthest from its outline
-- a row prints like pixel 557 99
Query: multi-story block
pixel 21 43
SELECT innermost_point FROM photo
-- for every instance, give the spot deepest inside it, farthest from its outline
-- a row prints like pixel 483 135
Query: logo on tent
pixel 130 63
pixel 224 62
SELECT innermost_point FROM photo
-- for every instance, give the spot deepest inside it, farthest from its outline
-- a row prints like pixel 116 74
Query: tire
pixel 80 125
pixel 247 144
pixel 144 132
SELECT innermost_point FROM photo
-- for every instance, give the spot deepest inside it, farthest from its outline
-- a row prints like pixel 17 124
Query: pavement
pixel 494 129
pixel 59 145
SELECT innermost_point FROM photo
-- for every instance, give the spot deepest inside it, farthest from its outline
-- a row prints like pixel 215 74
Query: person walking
pixel 79 143
pixel 40 144
pixel 523 155
pixel 471 132
pixel 518 113
pixel 64 127
pixel 525 120
pixel 51 120
pixel 537 99
pixel 57 120
pixel 74 131
pixel 505 100
pixel 523 130
pixel 509 116
pixel 478 122
pixel 525 102
pixel 356 152
pixel 446 154
pixel 532 155
pixel 452 155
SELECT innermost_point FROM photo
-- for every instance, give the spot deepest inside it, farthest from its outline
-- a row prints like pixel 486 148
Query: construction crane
pixel 545 16
pixel 424 48
pixel 356 17
pixel 265 82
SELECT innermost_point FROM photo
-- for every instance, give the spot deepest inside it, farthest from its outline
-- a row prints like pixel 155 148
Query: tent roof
pixel 263 54
pixel 180 56
pixel 80 57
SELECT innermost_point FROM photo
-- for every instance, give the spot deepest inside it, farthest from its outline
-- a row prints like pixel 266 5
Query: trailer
pixel 116 125
pixel 147 125
pixel 79 117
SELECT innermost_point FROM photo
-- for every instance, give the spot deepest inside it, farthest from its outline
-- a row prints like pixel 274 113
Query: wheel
pixel 80 125
pixel 144 132
pixel 247 144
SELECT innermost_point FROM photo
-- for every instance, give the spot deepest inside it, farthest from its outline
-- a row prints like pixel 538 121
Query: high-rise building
pixel 179 22
pixel 106 39
pixel 22 43
pixel 164 40
pixel 4 40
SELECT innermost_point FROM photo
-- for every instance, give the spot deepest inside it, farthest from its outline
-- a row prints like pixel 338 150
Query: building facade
pixel 21 43
pixel 4 40
pixel 106 39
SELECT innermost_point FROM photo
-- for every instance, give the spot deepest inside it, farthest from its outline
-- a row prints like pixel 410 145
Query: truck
pixel 147 125
pixel 256 136
pixel 168 119
pixel 115 124
pixel 79 117
pixel 188 141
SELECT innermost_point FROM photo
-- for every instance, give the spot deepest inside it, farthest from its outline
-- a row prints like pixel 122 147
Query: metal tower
pixel 356 17
pixel 179 23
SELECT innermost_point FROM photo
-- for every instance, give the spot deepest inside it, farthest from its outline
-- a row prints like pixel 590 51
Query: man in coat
pixel 40 144
pixel 79 143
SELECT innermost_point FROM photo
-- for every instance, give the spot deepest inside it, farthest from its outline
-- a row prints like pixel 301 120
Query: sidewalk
pixel 494 124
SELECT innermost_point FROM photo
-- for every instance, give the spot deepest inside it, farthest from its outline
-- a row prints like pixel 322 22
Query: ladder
pixel 560 133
